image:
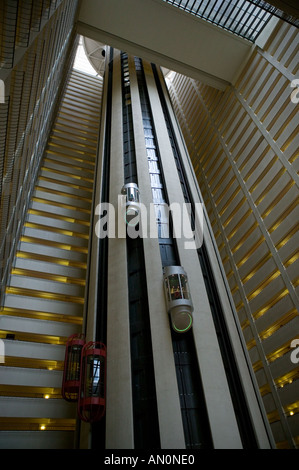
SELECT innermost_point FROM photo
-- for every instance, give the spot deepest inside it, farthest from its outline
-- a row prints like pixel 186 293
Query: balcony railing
pixel 241 17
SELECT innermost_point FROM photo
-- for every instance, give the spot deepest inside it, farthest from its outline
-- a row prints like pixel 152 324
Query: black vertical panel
pixel 192 398
pixel 194 414
pixel 145 411
pixel 98 429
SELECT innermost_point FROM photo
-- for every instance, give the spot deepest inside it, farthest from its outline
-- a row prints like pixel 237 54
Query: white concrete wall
pixel 166 36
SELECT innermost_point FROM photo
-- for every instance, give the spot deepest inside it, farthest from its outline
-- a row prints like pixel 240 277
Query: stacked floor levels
pixel 244 148
pixel 44 298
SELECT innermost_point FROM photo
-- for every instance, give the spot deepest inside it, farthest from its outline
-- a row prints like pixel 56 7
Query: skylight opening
pixel 81 62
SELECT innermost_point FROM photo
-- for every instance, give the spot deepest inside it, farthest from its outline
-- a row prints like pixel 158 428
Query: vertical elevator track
pixel 146 428
pixel 231 369
pixel 194 413
pixel 98 429
pixel 44 299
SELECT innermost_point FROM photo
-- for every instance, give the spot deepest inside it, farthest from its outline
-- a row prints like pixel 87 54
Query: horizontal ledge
pixel 43 295
pixel 150 55
pixel 50 259
pixel 62 246
pixel 32 363
pixel 36 314
pixel 33 337
pixel 24 391
pixel 48 276
pixel 37 424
